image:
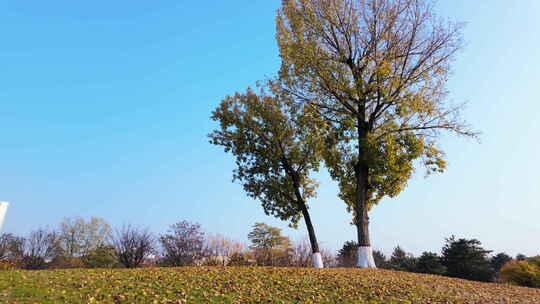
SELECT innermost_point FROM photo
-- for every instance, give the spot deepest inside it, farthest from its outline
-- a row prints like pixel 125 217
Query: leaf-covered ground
pixel 249 285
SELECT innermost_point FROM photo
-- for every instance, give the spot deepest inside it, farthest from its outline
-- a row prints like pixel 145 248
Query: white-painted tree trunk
pixel 3 210
pixel 316 258
pixel 365 257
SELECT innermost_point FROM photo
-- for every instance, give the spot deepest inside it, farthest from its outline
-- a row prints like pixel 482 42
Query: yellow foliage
pixel 250 285
pixel 521 273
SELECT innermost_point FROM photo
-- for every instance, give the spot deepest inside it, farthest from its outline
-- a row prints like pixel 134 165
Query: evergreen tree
pixel 466 259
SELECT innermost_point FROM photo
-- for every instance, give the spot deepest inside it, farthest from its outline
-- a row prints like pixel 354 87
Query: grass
pixel 249 285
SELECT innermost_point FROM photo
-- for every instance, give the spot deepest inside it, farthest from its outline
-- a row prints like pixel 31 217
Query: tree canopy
pixel 376 71
pixel 264 236
pixel 276 144
pixel 464 258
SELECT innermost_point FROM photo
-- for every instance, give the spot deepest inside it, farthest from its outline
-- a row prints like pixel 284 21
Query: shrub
pixel 239 259
pixel 100 257
pixel 62 261
pixel 8 265
pixel 523 273
pixel 33 262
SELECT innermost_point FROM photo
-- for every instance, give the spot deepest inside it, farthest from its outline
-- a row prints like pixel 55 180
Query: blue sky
pixel 105 108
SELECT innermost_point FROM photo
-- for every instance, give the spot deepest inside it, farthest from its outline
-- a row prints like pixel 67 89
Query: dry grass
pixel 249 285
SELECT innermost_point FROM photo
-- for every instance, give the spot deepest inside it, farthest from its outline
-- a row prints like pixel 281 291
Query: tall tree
pixel 376 70
pixel 497 262
pixel 466 259
pixel 183 244
pixel 401 260
pixel 267 241
pixel 10 247
pixel 380 259
pixel 79 236
pixel 40 247
pixel 430 262
pixel 347 254
pixel 133 245
pixel 277 144
pixel 220 249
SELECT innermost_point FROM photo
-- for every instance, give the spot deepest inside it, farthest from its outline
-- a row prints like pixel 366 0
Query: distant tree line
pixel 80 243
pixel 91 243
pixel 459 258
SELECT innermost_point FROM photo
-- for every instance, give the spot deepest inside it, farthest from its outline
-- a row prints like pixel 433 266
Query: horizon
pixel 108 111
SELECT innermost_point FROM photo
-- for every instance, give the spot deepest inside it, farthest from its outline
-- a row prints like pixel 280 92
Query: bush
pixel 62 262
pixel 523 273
pixel 100 257
pixel 8 265
pixel 239 259
pixel 33 262
pixel 535 261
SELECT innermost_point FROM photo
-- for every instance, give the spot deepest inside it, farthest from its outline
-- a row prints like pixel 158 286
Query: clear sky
pixel 105 109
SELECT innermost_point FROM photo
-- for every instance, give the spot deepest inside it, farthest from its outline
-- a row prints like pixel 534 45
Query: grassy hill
pixel 249 285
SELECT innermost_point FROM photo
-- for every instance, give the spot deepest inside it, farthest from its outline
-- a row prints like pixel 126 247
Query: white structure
pixel 317 260
pixel 365 257
pixel 3 210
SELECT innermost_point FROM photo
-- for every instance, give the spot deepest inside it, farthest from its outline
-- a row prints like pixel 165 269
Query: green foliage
pixel 249 285
pixel 376 71
pixel 430 262
pixel 276 145
pixel 521 257
pixel 401 260
pixel 347 255
pixel 524 272
pixel 266 237
pixel 100 257
pixel 269 246
pixel 63 261
pixel 380 260
pixel 497 262
pixel 534 261
pixel 466 259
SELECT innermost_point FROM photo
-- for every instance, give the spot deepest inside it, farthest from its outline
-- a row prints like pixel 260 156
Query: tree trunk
pixel 316 257
pixel 316 254
pixel 365 252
